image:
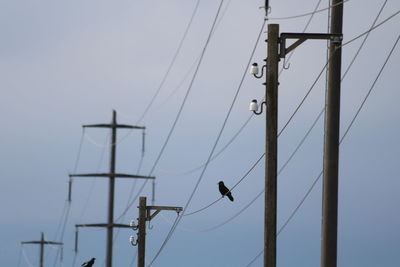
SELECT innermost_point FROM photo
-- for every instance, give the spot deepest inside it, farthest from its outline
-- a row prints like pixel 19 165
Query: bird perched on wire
pixel 225 191
pixel 89 263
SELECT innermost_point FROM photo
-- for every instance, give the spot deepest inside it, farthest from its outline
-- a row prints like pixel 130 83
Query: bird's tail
pixel 229 195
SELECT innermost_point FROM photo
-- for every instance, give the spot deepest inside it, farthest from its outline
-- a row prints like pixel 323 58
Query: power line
pixel 172 61
pixel 212 150
pixel 253 166
pixel 280 132
pixel 19 257
pixel 248 119
pixel 370 90
pixel 341 140
pixel 197 61
pixel 67 206
pixel 293 114
pixel 303 100
pixel 93 182
pixel 186 95
pixel 190 69
pixel 309 13
pixel 181 106
pixel 372 28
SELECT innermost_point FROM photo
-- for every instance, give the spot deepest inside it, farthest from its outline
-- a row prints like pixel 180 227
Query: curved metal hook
pixel 133 241
pixel 150 227
pixel 286 65
pixel 262 72
pixel 261 111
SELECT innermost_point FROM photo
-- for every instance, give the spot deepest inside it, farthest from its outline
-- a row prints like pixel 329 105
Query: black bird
pixel 225 191
pixel 89 263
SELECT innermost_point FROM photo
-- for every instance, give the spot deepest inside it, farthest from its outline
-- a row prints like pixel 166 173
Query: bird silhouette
pixel 89 263
pixel 224 191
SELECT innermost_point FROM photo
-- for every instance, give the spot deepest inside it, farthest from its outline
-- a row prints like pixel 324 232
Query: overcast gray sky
pixel 68 63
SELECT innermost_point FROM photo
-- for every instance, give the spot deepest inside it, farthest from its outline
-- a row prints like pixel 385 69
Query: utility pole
pixel 276 49
pixel 271 146
pixel 331 144
pixel 42 242
pixel 142 232
pixel 111 188
pixel 144 216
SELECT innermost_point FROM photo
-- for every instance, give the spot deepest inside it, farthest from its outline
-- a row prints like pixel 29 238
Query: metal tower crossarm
pixel 42 242
pixel 111 175
pixel 115 175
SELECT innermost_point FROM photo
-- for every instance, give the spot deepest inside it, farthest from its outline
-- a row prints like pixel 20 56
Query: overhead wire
pixel 26 258
pixel 347 129
pixel 132 200
pixel 298 146
pixel 178 50
pixel 67 205
pixel 216 155
pixel 197 61
pixel 178 218
pixel 341 140
pixel 187 74
pixel 122 218
pixel 280 132
pixel 180 108
pixel 20 256
pixel 309 13
pixel 259 159
pixel 93 182
pixel 67 202
pixel 287 123
pixel 191 68
pixel 372 28
pixel 248 119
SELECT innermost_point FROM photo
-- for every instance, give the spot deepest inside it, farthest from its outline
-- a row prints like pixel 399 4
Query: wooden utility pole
pixel 142 232
pixel 111 175
pixel 277 49
pixel 42 242
pixel 271 148
pixel 331 144
pixel 145 215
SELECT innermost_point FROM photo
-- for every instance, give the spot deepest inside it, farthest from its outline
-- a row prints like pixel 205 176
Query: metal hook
pixel 133 226
pixel 261 111
pixel 150 227
pixel 132 240
pixel 262 72
pixel 286 65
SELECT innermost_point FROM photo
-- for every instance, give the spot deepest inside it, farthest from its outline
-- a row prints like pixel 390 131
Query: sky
pixel 69 63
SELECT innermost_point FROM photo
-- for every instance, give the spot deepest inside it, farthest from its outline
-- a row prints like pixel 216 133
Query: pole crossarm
pixel 105 125
pixel 117 225
pixel 111 175
pixel 302 37
pixel 43 242
pixel 158 209
pixel 115 175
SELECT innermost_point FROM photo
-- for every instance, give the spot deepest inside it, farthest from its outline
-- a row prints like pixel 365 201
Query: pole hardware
pixel 146 215
pixel 254 70
pixel 133 226
pixel 254 106
pixel 302 37
pixel 112 175
pixel 42 242
pixel 132 240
